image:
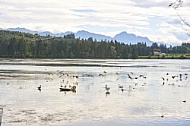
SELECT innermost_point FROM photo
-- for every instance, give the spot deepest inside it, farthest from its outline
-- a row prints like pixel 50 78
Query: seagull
pixel 129 76
pixel 107 88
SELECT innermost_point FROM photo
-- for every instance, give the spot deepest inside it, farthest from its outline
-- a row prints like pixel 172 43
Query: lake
pixel 138 92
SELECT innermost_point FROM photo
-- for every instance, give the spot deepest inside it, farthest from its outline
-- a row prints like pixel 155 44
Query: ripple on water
pixel 143 101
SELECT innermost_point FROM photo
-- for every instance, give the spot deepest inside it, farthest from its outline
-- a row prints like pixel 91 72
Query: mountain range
pixel 124 37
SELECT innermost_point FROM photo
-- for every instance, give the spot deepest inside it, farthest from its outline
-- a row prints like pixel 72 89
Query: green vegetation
pixel 24 45
pixel 171 56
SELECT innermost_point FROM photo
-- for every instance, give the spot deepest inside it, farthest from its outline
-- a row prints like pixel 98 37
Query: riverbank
pixel 170 56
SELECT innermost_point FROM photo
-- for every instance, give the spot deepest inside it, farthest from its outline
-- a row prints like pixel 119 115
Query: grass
pixel 169 56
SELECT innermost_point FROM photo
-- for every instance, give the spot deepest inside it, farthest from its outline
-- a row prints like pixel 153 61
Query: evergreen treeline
pixel 25 45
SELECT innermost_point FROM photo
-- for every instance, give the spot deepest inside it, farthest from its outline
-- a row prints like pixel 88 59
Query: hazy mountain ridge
pixel 85 35
pixel 127 38
pixel 22 30
pixel 131 38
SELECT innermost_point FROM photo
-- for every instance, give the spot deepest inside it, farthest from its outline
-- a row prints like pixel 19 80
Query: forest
pixel 14 44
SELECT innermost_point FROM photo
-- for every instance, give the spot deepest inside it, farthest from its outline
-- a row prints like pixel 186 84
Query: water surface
pixel 155 92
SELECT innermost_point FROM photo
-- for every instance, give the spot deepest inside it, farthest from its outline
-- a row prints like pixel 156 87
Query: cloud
pixel 151 18
pixel 151 3
pixel 84 10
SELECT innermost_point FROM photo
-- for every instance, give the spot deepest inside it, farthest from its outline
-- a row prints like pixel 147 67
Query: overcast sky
pixel 148 18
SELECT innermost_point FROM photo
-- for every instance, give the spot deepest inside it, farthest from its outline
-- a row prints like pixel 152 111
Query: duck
pixel 39 88
pixel 120 86
pixel 107 93
pixel 122 89
pixel 73 89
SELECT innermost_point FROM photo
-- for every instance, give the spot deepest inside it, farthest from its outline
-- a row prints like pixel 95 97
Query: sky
pixel 147 18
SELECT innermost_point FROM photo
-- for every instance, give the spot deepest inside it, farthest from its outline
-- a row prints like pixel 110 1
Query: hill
pixel 124 37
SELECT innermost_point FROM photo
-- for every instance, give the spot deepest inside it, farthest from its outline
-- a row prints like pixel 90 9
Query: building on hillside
pixel 156 53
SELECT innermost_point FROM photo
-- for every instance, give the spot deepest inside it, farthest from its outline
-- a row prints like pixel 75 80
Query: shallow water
pixel 146 98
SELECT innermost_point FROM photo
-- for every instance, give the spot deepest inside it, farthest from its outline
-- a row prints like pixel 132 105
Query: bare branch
pixel 183 20
pixel 176 4
pixel 188 34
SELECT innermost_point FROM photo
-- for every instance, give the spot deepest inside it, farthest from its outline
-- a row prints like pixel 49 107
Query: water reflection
pixel 107 91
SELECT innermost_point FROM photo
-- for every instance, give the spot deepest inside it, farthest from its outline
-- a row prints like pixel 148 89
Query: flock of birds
pixel 121 87
pixel 175 78
pixel 135 79
pixel 66 87
pixel 167 79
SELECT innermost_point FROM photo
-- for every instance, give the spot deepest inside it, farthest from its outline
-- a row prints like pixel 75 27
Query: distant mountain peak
pixel 22 30
pixel 85 35
pixel 131 38
pixel 123 37
pixel 123 32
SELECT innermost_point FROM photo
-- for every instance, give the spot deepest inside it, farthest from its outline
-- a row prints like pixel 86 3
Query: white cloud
pixel 151 18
